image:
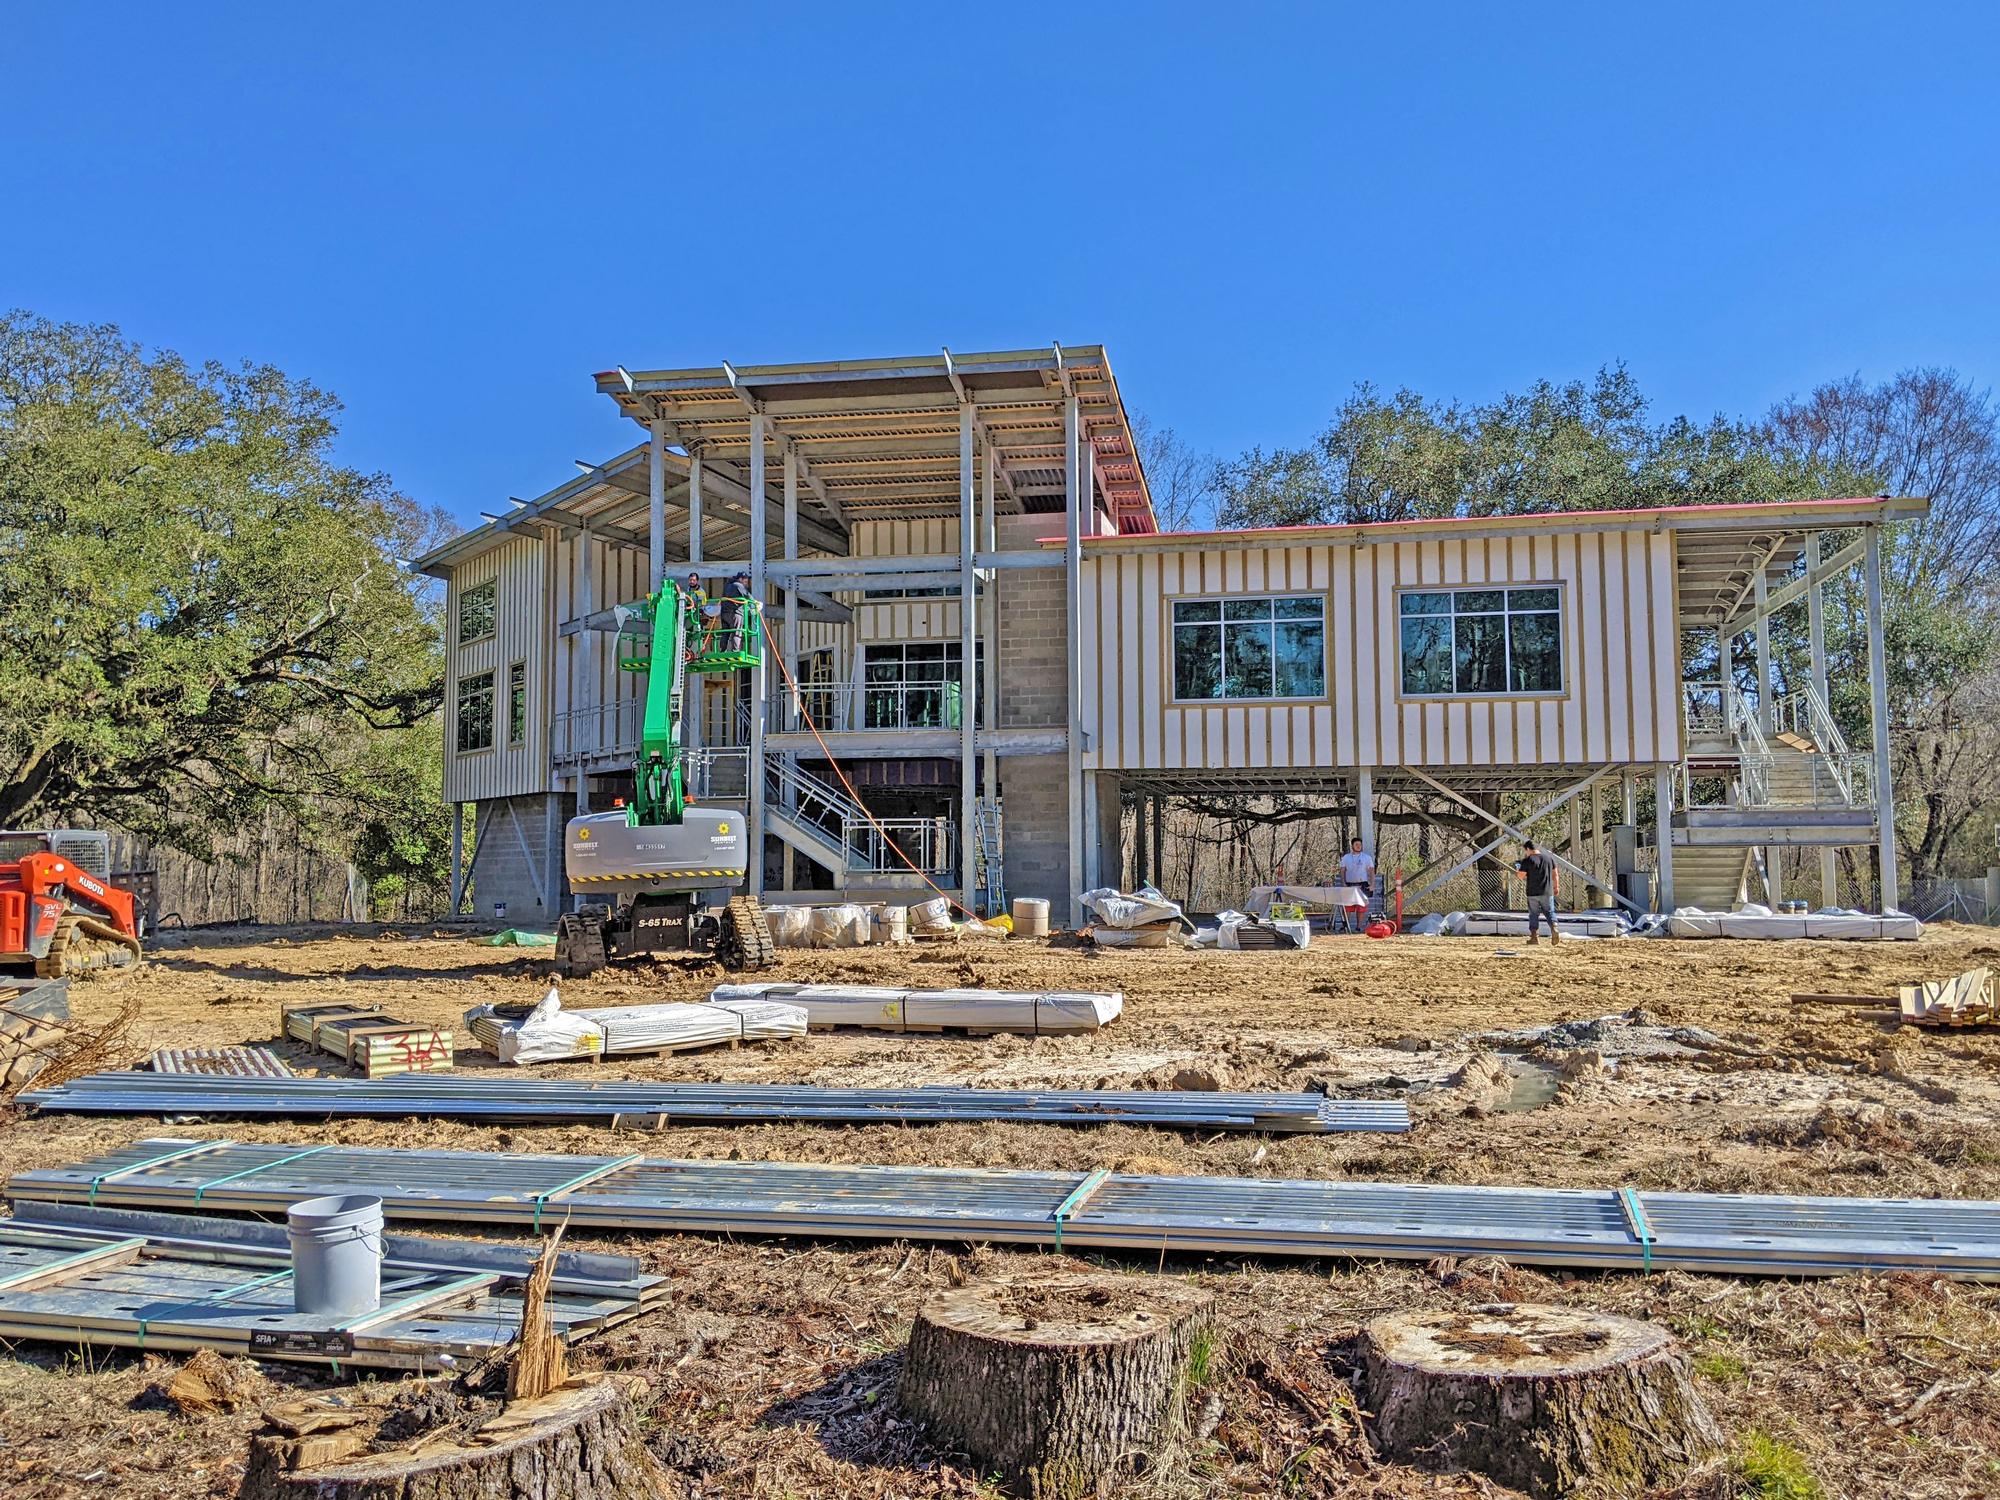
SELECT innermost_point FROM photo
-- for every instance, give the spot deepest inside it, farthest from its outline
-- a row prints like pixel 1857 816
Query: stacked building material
pixel 109 1277
pixel 551 1033
pixel 1616 1229
pixel 33 1017
pixel 1030 1012
pixel 220 1062
pixel 489 1097
pixel 368 1039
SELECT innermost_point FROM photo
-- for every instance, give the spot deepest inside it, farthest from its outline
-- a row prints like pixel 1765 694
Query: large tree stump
pixel 1064 1385
pixel 577 1443
pixel 1542 1398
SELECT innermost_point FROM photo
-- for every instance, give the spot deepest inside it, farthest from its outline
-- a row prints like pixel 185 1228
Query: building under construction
pixel 980 641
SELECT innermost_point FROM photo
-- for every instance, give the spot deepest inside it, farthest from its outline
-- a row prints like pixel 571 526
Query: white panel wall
pixel 522 629
pixel 1618 701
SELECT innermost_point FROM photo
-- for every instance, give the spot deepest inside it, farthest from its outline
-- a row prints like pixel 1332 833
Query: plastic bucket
pixel 1031 917
pixel 336 1254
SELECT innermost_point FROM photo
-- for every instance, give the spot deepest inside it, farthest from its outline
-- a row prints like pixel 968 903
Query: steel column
pixel 989 624
pixel 457 858
pixel 694 716
pixel 1074 499
pixel 1829 882
pixel 968 677
pixel 1878 721
pixel 1365 796
pixel 1663 837
pixel 656 512
pixel 759 504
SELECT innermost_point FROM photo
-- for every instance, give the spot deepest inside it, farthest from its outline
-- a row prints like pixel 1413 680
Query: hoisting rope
pixel 798 701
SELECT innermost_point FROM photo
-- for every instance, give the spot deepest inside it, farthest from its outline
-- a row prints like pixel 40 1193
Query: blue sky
pixel 452 216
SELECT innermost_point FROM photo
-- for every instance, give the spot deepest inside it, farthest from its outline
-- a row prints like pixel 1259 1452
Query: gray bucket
pixel 336 1254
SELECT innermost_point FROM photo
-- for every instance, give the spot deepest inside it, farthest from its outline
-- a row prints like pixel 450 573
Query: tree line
pixel 206 624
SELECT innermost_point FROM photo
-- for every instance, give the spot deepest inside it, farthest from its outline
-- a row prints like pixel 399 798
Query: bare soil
pixel 774 1372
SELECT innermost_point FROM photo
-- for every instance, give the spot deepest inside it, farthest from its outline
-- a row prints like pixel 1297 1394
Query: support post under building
pixel 968 688
pixel 759 545
pixel 1829 885
pixel 1878 719
pixel 656 508
pixel 1663 836
pixel 1073 500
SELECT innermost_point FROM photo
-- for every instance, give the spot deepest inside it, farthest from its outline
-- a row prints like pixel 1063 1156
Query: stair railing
pixel 806 797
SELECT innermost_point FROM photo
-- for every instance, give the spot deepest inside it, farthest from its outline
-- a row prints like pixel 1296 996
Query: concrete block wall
pixel 510 830
pixel 1034 634
pixel 1035 810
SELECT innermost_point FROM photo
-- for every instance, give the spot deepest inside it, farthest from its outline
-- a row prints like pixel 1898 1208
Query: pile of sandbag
pixel 1141 919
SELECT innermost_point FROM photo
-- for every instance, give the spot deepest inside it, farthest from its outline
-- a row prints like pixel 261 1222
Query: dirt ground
pixel 773 1373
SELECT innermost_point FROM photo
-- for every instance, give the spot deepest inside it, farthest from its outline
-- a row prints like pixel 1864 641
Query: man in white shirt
pixel 1357 880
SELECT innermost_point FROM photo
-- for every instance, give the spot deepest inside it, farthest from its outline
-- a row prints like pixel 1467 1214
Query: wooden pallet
pixel 1967 1000
pixel 369 1039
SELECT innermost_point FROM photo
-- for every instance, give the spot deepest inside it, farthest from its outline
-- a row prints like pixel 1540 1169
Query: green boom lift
pixel 668 871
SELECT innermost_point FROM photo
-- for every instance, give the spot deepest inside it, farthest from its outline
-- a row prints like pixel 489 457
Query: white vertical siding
pixel 1618 701
pixel 523 626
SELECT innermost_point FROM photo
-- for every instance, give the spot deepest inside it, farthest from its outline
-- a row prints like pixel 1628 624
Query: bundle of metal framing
pixel 378 1044
pixel 1033 1012
pixel 106 1276
pixel 1617 1229
pixel 510 1098
pixel 561 1034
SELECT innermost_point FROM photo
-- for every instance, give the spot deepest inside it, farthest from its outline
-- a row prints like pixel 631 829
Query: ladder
pixel 988 867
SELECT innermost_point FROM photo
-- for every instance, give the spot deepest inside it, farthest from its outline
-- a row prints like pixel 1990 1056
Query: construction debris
pixel 109 1277
pixel 549 1033
pixel 368 1039
pixel 1031 1012
pixel 1968 1000
pixel 33 1013
pixel 220 1062
pixel 1613 1229
pixel 652 1105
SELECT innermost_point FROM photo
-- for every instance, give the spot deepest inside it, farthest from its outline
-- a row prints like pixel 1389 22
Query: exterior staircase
pixel 826 825
pixel 1798 786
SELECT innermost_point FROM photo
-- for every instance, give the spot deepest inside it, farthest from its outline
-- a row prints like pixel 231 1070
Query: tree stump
pixel 577 1443
pixel 1542 1398
pixel 1064 1385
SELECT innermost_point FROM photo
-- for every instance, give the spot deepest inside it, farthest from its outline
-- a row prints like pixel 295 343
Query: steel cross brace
pixel 1508 830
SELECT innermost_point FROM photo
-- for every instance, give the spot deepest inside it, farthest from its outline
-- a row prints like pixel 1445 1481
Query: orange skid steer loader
pixel 57 917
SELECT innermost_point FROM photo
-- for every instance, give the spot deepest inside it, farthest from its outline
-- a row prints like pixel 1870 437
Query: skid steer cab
pixel 58 915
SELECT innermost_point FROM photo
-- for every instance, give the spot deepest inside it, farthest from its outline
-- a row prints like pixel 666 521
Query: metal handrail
pixel 929 843
pixel 903 703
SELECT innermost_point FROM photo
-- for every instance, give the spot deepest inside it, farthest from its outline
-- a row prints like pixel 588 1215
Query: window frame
pixel 490 586
pixel 1320 597
pixel 459 747
pixel 517 683
pixel 905 686
pixel 1531 695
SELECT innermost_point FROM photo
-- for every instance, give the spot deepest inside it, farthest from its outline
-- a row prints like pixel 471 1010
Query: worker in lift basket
pixel 735 613
pixel 1539 871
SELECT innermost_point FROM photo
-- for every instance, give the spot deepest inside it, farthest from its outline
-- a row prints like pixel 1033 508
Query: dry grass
pixel 774 1368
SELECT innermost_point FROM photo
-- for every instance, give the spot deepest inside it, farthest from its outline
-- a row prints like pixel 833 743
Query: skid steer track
pixel 745 941
pixel 81 943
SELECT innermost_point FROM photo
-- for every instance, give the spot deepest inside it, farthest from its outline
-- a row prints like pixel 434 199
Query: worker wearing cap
pixel 734 612
pixel 1539 871
pixel 1357 883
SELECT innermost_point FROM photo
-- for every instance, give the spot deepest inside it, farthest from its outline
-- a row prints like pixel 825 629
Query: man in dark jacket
pixel 1539 871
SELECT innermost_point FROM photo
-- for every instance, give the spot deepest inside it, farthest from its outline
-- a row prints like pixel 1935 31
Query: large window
pixel 913 685
pixel 517 705
pixel 476 608
pixel 475 712
pixel 1250 648
pixel 1485 641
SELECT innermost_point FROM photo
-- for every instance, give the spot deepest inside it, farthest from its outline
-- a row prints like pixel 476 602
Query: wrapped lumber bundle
pixel 1034 1012
pixel 549 1033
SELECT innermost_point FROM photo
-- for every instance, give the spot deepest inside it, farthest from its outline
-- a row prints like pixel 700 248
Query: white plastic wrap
pixel 548 1033
pixel 839 927
pixel 1139 909
pixel 1032 1011
pixel 1831 925
pixel 791 926
pixel 931 918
